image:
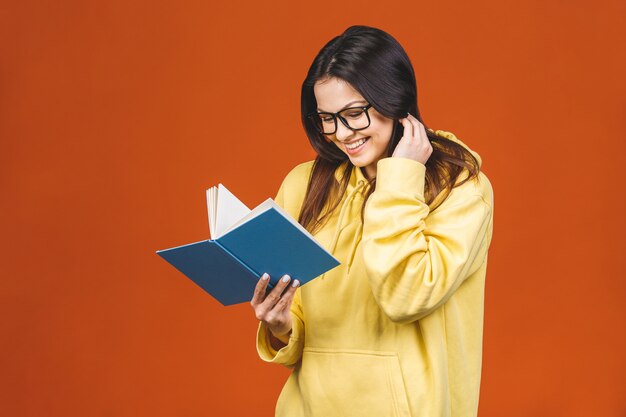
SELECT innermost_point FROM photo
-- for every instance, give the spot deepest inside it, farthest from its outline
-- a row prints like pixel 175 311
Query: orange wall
pixel 115 116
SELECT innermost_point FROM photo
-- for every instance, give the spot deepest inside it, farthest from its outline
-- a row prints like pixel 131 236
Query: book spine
pixel 225 249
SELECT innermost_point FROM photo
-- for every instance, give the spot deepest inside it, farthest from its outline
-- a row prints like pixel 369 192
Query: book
pixel 243 245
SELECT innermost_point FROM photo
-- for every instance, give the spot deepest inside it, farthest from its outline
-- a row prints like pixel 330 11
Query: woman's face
pixel 363 147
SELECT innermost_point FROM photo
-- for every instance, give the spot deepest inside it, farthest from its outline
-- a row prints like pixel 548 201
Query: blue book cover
pixel 267 240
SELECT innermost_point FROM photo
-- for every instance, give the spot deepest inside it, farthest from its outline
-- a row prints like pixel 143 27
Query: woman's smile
pixel 356 146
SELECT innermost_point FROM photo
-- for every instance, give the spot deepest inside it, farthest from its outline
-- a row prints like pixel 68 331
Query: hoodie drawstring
pixel 342 214
pixel 355 243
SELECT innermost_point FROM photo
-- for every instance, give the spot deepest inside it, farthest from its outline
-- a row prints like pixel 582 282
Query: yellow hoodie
pixel 396 329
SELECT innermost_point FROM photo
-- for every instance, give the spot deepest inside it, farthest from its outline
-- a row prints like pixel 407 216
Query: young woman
pixel 396 329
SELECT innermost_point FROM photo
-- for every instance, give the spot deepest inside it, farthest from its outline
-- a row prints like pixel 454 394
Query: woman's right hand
pixel 273 308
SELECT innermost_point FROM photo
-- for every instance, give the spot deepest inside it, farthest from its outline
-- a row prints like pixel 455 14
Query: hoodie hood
pixel 452 137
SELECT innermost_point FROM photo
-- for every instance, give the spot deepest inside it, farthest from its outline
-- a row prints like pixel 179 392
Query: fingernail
pixel 265 277
pixel 295 283
pixel 286 278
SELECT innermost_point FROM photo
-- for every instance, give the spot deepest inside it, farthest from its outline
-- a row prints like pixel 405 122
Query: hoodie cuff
pixel 401 174
pixel 286 354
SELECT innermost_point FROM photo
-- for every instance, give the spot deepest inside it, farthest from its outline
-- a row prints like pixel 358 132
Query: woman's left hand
pixel 414 144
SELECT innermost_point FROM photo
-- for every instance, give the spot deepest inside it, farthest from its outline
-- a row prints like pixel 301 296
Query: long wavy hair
pixel 376 66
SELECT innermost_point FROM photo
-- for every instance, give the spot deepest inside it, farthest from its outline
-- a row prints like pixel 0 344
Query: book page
pixel 250 215
pixel 224 210
pixel 211 200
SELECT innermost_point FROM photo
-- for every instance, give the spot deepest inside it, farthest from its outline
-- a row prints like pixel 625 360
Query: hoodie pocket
pixel 352 383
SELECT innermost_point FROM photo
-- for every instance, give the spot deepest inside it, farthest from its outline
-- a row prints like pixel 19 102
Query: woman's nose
pixel 343 133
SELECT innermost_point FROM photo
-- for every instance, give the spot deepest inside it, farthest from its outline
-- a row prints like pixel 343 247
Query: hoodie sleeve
pixel 289 197
pixel 292 352
pixel 415 259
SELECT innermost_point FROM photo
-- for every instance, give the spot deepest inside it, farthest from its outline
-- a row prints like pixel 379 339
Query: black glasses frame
pixel 312 117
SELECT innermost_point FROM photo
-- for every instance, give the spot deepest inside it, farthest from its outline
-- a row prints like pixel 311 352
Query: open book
pixel 246 243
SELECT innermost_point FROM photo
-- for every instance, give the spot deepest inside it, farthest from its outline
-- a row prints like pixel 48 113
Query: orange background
pixel 115 116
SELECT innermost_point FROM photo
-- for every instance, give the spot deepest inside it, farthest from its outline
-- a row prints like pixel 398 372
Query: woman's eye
pixel 354 114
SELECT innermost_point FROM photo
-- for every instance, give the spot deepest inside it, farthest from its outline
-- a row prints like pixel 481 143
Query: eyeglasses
pixel 354 118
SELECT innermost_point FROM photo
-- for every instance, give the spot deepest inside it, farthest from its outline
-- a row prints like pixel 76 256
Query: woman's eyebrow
pixel 344 107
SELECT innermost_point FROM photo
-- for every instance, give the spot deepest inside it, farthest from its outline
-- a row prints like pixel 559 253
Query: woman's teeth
pixel 356 144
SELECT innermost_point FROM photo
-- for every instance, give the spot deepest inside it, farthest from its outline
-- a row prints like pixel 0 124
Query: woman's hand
pixel 274 308
pixel 414 144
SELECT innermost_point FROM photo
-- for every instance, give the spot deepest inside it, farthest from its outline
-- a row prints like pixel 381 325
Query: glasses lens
pixel 356 118
pixel 325 122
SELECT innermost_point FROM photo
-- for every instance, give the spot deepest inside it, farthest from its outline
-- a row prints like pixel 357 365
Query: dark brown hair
pixel 376 66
